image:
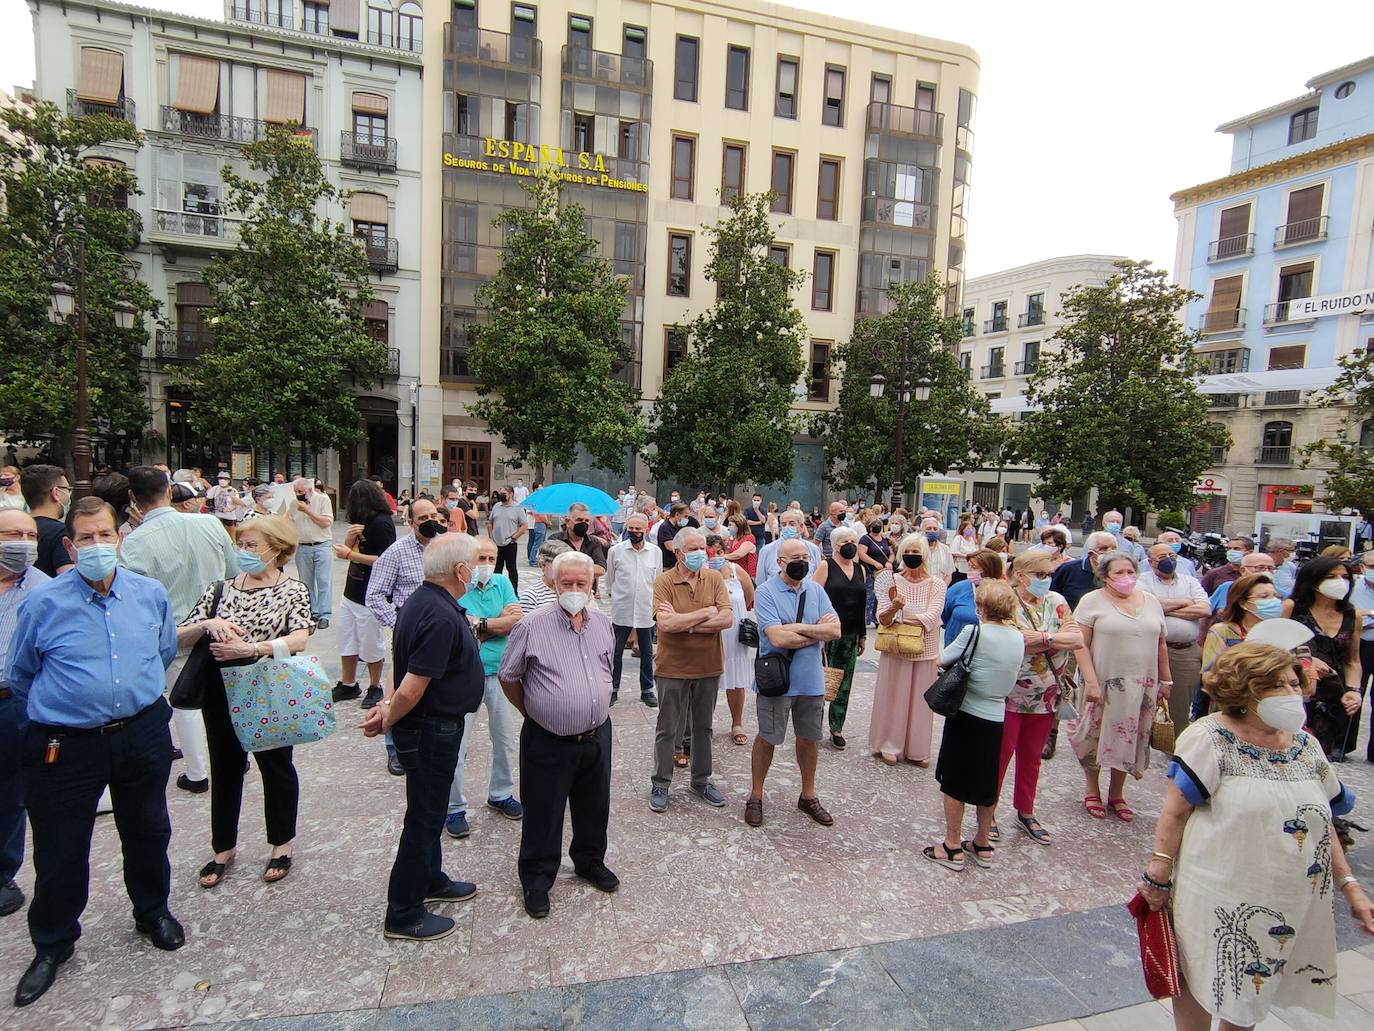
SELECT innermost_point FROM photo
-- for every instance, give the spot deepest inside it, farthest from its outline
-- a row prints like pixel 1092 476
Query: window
pixel 316 18
pixel 1344 90
pixel 732 172
pixel 1278 435
pixel 634 42
pixel 833 111
pixel 1223 312
pixel 189 183
pixel 369 129
pixel 1283 358
pixel 737 78
pixel 674 346
pixel 685 69
pixel 377 321
pixel 1304 216
pixel 380 27
pixel 1035 309
pixel 1295 281
pixel 1367 435
pixel 1030 358
pixel 101 80
pixel 628 141
pixel 410 32
pixel 785 106
pixel 1302 125
pixel 627 252
pixel 925 97
pixel 466 117
pixel 969 322
pixel 579 31
pixel 823 281
pixel 679 265
pixel 192 300
pixel 996 365
pixel 684 161
pixel 966 362
pixel 1233 232
pixel 820 372
pixel 285 97
pixel 880 92
pixel 583 132
pixel 781 254
pixel 782 182
pixel 999 317
pixel 465 14
pixel 828 190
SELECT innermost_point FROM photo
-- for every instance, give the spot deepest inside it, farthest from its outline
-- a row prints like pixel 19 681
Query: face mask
pixel 789 533
pixel 96 561
pixel 1233 556
pixel 17 556
pixel 912 561
pixel 1368 575
pixel 1167 566
pixel 848 550
pixel 675 499
pixel 430 529
pixel 1269 608
pixel 932 536
pixel 1123 583
pixel 580 528
pixel 694 560
pixel 797 569
pixel 710 524
pixel 482 573
pixel 681 523
pixel 968 532
pixel 7 483
pixel 717 563
pixel 975 577
pixel 1001 531
pixel 450 504
pixel 250 561
pixel 1282 712
pixel 1038 587
pixel 731 532
pixel 1112 528
pixel 1176 547
pixel 636 536
pixel 1334 589
pixel 896 527
pixel 573 602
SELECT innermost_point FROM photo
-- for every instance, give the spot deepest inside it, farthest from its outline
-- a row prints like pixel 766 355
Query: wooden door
pixel 468 460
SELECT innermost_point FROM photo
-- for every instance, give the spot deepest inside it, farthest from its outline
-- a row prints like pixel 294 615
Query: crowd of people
pixel 104 602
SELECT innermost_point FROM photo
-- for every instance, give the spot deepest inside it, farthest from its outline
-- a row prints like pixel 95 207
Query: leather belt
pixel 1182 644
pixel 112 727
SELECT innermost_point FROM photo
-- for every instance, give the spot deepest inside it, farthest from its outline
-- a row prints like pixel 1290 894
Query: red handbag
pixel 1158 949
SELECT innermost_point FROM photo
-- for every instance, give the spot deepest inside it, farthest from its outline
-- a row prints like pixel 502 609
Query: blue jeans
pixel 428 749
pixel 532 541
pixel 646 658
pixel 315 563
pixel 501 719
pixel 13 722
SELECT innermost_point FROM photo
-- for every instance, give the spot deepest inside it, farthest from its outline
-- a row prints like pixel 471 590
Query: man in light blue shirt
pixel 790 524
pixel 1255 562
pixel 1281 550
pixel 1186 566
pixel 776 606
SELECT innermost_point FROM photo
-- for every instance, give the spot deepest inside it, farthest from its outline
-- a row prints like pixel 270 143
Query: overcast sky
pixel 1090 112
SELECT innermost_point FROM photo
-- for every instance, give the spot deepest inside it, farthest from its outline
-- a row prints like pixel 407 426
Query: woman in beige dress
pixel 901 724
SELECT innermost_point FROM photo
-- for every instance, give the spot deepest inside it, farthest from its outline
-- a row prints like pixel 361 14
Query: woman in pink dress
pixel 901 724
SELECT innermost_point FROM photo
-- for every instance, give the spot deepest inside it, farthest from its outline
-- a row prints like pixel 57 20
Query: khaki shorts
pixel 805 710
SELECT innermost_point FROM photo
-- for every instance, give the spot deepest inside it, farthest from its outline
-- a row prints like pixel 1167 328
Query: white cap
pixel 1282 633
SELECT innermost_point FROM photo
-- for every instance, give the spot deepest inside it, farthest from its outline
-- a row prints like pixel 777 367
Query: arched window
pixel 380 27
pixel 1278 434
pixel 1367 435
pixel 409 27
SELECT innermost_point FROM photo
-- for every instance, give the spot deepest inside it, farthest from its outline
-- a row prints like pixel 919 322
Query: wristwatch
pixel 482 625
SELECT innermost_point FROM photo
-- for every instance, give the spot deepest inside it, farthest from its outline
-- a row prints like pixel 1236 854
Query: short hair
pixel 305 480
pixel 1033 563
pixel 571 558
pixel 184 492
pixel 1246 543
pixel 677 508
pixel 690 531
pixel 913 540
pixel 1238 594
pixel 86 507
pixel 715 540
pixel 1098 537
pixel 36 480
pixel 550 550
pixel 636 515
pixel 1279 544
pixel 279 532
pixel 996 599
pixel 446 551
pixel 577 506
pixel 1244 672
pixel 147 484
pixel 184 476
pixel 987 561
pixel 997 544
pixel 793 514
pixel 843 533
pixel 1058 532
pixel 1105 563
pixel 114 488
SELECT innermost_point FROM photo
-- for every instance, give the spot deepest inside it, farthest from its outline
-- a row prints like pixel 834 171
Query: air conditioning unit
pixel 605 66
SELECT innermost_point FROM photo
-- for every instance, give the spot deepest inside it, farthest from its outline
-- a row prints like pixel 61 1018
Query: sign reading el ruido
pixel 511 157
pixel 1330 304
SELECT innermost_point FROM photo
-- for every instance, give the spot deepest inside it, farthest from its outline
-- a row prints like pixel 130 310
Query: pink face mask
pixel 1122 583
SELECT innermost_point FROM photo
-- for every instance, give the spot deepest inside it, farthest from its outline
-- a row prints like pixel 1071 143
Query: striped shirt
pixel 185 552
pixel 9 610
pixel 536 594
pixel 396 574
pixel 565 673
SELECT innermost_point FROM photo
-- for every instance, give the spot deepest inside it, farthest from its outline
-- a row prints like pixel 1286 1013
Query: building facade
pixel 661 111
pixel 348 73
pixel 1287 227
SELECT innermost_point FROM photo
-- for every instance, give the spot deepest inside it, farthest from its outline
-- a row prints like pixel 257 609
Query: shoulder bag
pixel 772 672
pixel 946 695
pixel 189 690
pixel 1065 709
pixel 905 641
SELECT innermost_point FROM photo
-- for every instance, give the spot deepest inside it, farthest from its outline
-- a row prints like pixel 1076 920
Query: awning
pixel 376 310
pixel 285 97
pixel 101 80
pixel 370 104
pixel 197 85
pixel 369 207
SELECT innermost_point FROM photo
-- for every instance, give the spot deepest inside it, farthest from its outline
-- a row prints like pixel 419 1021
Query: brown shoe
pixel 812 807
pixel 753 812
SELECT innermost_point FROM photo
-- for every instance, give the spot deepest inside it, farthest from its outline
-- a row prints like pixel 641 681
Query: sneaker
pixel 394 767
pixel 430 927
pixel 650 699
pixel 658 799
pixel 510 808
pixel 322 623
pixel 196 787
pixel 373 696
pixel 347 692
pixel 838 741
pixel 457 825
pixel 615 697
pixel 454 891
pixel 711 795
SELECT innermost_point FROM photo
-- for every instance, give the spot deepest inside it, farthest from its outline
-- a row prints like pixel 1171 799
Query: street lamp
pixel 63 298
pixel 906 390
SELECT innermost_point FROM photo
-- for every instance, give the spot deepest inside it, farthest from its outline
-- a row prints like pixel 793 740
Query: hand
pixel 353 533
pixel 234 648
pixel 1320 669
pixel 302 506
pixel 223 630
pixel 665 609
pixel 1092 692
pixel 1360 908
pixel 893 595
pixel 1351 701
pixel 342 551
pixel 1154 896
pixel 374 722
pixel 829 617
pixel 1165 690
pixel 862 642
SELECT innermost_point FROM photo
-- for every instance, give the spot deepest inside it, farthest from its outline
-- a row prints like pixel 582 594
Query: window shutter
pixel 1305 204
pixel 371 104
pixel 285 97
pixel 197 85
pixel 344 16
pixel 1292 357
pixel 194 294
pixel 378 310
pixel 1234 222
pixel 102 76
pixel 1225 295
pixel 369 207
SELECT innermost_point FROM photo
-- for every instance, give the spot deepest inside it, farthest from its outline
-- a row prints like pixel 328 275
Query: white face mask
pixel 482 573
pixel 573 602
pixel 1334 589
pixel 1282 712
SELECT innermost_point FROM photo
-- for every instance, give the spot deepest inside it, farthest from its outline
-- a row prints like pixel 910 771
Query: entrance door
pixel 468 460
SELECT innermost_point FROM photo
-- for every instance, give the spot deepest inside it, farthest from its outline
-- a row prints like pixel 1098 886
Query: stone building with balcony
pixel 347 73
pixel 1287 228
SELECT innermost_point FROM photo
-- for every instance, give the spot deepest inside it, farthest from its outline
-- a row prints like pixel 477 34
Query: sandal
pixel 282 863
pixel 1120 809
pixel 979 852
pixel 1033 830
pixel 1093 803
pixel 994 833
pixel 680 760
pixel 215 870
pixel 953 859
pixel 741 738
pixel 887 759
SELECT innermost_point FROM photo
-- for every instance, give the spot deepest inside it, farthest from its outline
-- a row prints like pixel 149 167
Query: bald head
pixel 1257 562
pixel 18 543
pixel 792 550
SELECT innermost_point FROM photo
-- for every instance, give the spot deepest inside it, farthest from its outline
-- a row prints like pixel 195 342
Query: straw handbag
pixel 901 640
pixel 1162 732
pixel 834 677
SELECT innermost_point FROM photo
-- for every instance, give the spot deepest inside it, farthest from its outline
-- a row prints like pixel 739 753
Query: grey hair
pixel 1095 537
pixel 792 513
pixel 571 558
pixel 550 550
pixel 446 551
pixel 916 542
pixel 690 531
pixel 305 480
pixel 841 534
pixel 1105 563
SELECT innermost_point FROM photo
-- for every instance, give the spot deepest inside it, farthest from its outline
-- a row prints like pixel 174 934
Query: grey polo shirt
pixel 505 520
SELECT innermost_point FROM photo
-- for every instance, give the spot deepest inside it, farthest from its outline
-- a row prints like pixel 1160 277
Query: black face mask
pixel 430 529
pixel 580 528
pixel 796 569
pixel 912 561
pixel 635 536
pixel 848 550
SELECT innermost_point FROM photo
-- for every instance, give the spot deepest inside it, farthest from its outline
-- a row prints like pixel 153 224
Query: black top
pixel 1073 580
pixel 432 639
pixel 849 595
pixel 667 530
pixel 51 553
pixel 379 533
pixel 590 545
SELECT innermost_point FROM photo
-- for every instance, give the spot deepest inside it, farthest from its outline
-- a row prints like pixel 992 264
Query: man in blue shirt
pixel 790 526
pixel 780 630
pixel 88 656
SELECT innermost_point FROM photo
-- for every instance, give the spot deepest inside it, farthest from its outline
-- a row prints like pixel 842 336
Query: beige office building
pixel 866 134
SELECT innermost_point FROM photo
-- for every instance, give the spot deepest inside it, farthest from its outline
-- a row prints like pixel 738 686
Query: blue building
pixel 1288 228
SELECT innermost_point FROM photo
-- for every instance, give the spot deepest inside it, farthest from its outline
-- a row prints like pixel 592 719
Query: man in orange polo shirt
pixel 691 608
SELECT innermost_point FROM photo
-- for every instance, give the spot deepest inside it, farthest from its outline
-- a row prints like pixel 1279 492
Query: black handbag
pixel 947 693
pixel 772 672
pixel 748 633
pixel 189 690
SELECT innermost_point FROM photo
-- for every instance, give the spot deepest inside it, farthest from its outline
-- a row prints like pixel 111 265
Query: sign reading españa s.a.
pixel 511 157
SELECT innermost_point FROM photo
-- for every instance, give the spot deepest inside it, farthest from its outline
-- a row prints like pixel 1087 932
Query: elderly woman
pixel 536 592
pixel 846 585
pixel 1055 541
pixel 963 546
pixel 901 722
pixel 1244 845
pixel 260 607
pixel 960 609
pixel 1124 662
pixel 1321 602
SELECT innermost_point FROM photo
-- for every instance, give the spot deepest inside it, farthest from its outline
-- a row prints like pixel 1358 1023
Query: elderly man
pixel 492 609
pixel 828 525
pixel 691 607
pixel 1185 608
pixel 1281 550
pixel 18 578
pixel 88 656
pixel 1237 547
pixel 1074 579
pixel 631 567
pixel 1186 565
pixel 791 524
pixel 557 672
pixel 941 562
pixel 508 524
pixel 540 591
pixel 1254 562
pixel 794 616
pixel 438 686
pixel 313 516
pixel 577 534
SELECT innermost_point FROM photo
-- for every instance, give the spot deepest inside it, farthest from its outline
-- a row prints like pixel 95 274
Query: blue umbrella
pixel 555 499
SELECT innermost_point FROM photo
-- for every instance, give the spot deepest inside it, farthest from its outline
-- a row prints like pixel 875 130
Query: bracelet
pixel 1349 878
pixel 1166 683
pixel 1161 885
pixel 1161 855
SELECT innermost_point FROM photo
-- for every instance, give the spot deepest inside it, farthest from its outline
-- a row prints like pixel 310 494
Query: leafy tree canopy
pixel 1349 480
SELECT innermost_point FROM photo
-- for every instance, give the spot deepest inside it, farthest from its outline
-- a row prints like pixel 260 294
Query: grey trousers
pixel 679 700
pixel 1185 664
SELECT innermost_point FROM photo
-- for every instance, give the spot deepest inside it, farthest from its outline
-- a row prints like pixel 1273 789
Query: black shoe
pixel 601 877
pixel 11 898
pixel 347 692
pixel 322 624
pixel 454 891
pixel 650 699
pixel 536 903
pixel 394 767
pixel 615 697
pixel 430 927
pixel 196 787
pixel 1050 746
pixel 164 932
pixel 39 977
pixel 373 696
pixel 1337 755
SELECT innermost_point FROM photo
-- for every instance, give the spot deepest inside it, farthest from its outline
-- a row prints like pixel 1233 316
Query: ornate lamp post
pixel 905 391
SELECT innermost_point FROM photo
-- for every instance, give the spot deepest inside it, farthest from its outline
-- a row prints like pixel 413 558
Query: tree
pixel 287 310
pixel 724 414
pixel 50 188
pixel 546 357
pixel 1115 405
pixel 1349 483
pixel 952 430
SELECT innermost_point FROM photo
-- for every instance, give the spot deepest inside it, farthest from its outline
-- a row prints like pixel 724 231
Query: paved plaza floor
pixel 716 925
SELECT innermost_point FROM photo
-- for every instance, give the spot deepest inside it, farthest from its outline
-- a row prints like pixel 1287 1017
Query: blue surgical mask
pixel 789 532
pixel 681 523
pixel 250 561
pixel 694 560
pixel 1369 576
pixel 1038 587
pixel 1269 608
pixel 1167 566
pixel 1176 547
pixel 717 563
pixel 96 561
pixel 932 535
pixel 1234 556
pixel 709 523
pixel 1112 528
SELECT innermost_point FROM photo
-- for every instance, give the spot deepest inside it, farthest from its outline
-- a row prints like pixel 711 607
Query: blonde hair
pixel 917 541
pixel 278 532
pixel 996 599
pixel 1031 563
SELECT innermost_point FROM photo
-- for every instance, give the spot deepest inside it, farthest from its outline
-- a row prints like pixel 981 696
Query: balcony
pixel 224 128
pixel 601 66
pixel 205 228
pixel 1275 455
pixel 1276 317
pixel 182 345
pixel 905 121
pixel 488 47
pixel 362 150
pixel 281 18
pixel 1306 231
pixel 1229 321
pixel 393 362
pixel 996 324
pixel 1282 398
pixel 409 42
pixel 1234 359
pixel 1229 247
pixel 998 371
pixel 1030 318
pixel 382 252
pixel 453 363
pixel 78 108
pixel 1029 367
pixel 1218 455
pixel 1223 400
